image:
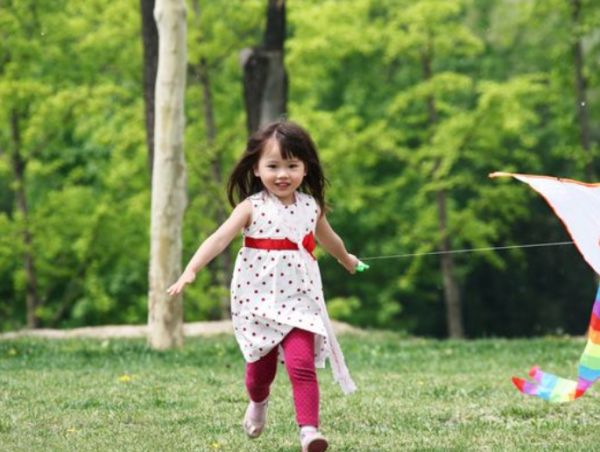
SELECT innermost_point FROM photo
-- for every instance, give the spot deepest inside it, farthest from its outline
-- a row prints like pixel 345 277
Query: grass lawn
pixel 414 395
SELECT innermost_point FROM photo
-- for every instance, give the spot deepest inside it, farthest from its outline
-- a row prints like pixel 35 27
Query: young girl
pixel 277 303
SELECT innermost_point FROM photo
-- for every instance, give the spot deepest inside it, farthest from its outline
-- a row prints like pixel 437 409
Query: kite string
pixel 468 250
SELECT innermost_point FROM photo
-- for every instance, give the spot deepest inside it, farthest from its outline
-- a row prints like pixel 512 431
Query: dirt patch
pixel 128 331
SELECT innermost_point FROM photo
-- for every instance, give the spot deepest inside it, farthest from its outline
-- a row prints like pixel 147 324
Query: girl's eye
pixel 293 165
pixel 271 166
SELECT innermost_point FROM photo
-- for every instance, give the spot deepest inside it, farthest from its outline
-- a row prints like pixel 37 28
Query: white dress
pixel 275 291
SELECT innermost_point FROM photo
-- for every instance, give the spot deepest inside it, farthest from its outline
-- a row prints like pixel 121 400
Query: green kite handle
pixel 361 267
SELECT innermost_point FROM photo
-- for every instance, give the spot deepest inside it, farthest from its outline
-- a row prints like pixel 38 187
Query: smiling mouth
pixel 282 185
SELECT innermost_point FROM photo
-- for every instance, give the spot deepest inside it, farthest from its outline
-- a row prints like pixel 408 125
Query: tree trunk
pixel 150 42
pixel 220 267
pixel 18 166
pixel 451 291
pixel 222 261
pixel 165 317
pixel 265 78
pixel 580 86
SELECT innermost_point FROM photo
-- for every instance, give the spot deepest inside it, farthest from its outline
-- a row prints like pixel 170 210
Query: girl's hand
pixel 350 263
pixel 187 277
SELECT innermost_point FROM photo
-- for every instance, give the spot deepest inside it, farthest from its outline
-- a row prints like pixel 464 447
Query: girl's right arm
pixel 214 245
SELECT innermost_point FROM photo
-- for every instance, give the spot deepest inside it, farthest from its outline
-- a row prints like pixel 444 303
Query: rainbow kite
pixel 578 206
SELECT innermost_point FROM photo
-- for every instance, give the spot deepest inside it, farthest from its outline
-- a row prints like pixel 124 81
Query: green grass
pixel 414 395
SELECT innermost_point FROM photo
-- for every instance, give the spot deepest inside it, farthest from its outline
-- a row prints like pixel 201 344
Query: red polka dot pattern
pixel 271 291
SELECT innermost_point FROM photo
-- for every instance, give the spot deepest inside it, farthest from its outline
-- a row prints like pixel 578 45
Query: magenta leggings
pixel 298 349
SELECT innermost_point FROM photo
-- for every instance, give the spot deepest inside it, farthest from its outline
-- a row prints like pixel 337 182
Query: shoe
pixel 314 442
pixel 254 427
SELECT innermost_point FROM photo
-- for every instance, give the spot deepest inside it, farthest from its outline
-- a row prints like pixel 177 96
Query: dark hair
pixel 293 141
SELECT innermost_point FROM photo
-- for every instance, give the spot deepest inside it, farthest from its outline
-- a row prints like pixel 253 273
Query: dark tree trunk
pixel 150 41
pixel 580 86
pixel 265 78
pixel 223 261
pixel 18 166
pixel 451 291
pixel 221 267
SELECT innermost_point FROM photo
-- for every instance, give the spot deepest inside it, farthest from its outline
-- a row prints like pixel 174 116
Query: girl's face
pixel 279 175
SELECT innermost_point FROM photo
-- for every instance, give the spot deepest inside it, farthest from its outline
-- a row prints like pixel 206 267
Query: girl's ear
pixel 255 170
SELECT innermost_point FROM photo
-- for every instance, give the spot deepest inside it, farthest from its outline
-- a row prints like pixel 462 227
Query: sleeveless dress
pixel 275 291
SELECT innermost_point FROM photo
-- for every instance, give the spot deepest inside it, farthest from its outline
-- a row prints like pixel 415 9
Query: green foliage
pixel 363 77
pixel 343 308
pixel 385 158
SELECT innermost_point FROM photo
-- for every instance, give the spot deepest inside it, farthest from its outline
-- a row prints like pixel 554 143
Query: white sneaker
pixel 314 442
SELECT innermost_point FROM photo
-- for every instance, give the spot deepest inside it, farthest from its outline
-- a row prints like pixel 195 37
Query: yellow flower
pixel 125 378
pixel 215 446
pixel 71 430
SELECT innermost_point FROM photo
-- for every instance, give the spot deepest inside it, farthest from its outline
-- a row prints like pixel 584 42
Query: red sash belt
pixel 281 244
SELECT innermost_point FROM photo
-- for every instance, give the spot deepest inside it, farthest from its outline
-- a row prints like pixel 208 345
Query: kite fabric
pixel 557 389
pixel 578 206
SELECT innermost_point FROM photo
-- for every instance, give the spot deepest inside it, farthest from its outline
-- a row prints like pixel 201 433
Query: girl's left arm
pixel 334 245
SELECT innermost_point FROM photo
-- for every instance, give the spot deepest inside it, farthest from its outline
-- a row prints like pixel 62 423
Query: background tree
pixel 503 79
pixel 200 72
pixel 165 314
pixel 20 96
pixel 482 123
pixel 78 140
pixel 150 43
pixel 265 77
